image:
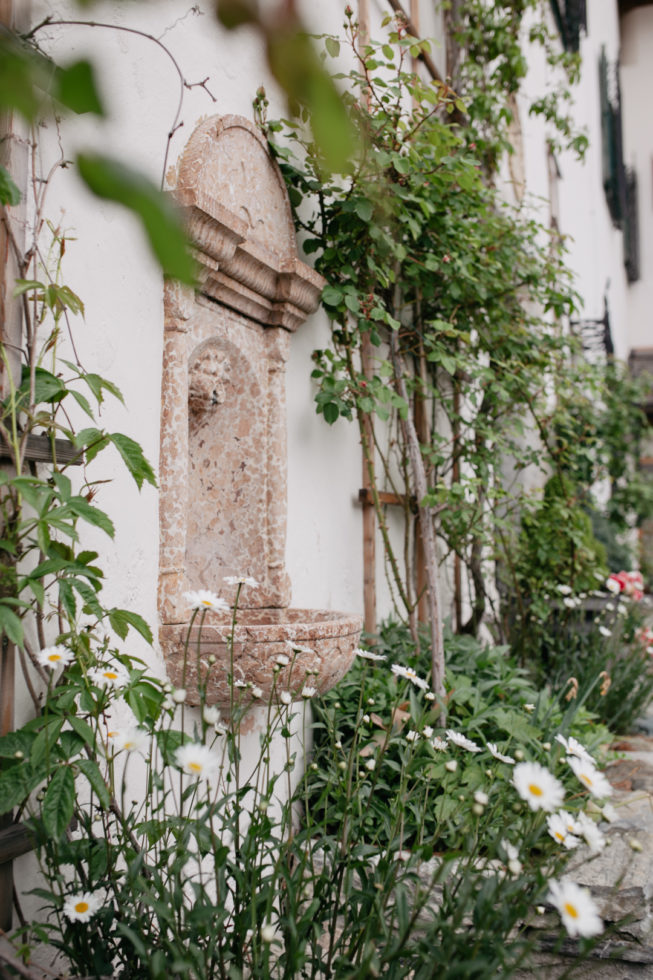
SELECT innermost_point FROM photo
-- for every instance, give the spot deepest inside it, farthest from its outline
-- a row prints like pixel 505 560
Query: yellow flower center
pixel 129 745
pixel 195 766
pixel 81 907
pixel 54 657
pixel 111 675
pixel 206 602
pixel 112 734
pixel 587 780
pixel 559 835
pixel 571 910
pixel 534 789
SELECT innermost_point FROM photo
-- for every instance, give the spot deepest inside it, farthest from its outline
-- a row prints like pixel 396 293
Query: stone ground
pixel 620 878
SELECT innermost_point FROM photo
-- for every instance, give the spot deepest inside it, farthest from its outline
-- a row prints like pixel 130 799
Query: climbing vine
pixel 463 301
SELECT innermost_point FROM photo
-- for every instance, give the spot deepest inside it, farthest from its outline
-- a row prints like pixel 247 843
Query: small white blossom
pixel 197 760
pixel 590 777
pixel 211 714
pixel 493 750
pixel 410 675
pixel 462 741
pixel 257 692
pixel 529 708
pixel 538 786
pixel 590 833
pixel 240 683
pixel 111 675
pixel 298 648
pixel 564 589
pixel 368 654
pixel 451 765
pixel 429 696
pixel 285 697
pixel 179 695
pixel 558 825
pixel 481 797
pixel 282 660
pixel 439 744
pixel 241 580
pixel 53 657
pixel 130 740
pixel 308 692
pixel 572 746
pixel 412 736
pixel 576 907
pixel 82 907
pixel 604 631
pixel 268 933
pixel 203 599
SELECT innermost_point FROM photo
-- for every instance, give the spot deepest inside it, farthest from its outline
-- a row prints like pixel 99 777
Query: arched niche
pixel 223 462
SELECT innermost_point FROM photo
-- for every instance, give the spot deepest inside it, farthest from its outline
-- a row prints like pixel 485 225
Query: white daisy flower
pixel 558 827
pixel 439 744
pixel 451 765
pixel 569 602
pixel 429 696
pixel 257 692
pixel 241 580
pixel 577 909
pixel 130 740
pixel 285 697
pixel 604 631
pixel 308 692
pixel 512 854
pixel 493 750
pixel 590 833
pixel 179 695
pixel 298 648
pixel 427 731
pixel 409 675
pixel 203 599
pixel 529 707
pixel 240 683
pixel 590 777
pixel 211 714
pixel 412 736
pixel 368 654
pixel 82 907
pixel 461 740
pixel 282 660
pixel 564 589
pixel 609 813
pixel 197 760
pixel 481 797
pixel 538 786
pixel 52 657
pixel 572 746
pixel 112 675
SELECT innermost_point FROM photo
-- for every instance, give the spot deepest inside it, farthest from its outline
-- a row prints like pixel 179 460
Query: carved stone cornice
pixel 246 249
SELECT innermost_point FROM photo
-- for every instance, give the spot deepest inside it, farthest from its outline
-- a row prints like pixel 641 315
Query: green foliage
pixel 413 855
pixel 34 86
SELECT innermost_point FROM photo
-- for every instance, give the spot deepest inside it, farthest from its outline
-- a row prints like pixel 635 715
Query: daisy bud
pixel 451 765
pixel 477 809
pixel 267 933
pixel 179 695
pixel 519 754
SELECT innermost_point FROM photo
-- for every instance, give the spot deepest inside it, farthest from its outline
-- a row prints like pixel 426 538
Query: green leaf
pixel 9 193
pixel 13 787
pixel 83 729
pixel 77 90
pixel 11 625
pixel 59 802
pixel 92 515
pixel 331 295
pixel 134 459
pixel 47 387
pixel 333 46
pixel 46 741
pixel 122 619
pixel 330 412
pixel 92 772
pixel 363 209
pixel 114 181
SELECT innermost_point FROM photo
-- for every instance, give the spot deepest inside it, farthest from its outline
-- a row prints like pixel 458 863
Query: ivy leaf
pixel 59 802
pixel 112 180
pixel 134 459
pixel 9 193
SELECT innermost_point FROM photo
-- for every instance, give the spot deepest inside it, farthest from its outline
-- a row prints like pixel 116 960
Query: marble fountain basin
pixel 324 650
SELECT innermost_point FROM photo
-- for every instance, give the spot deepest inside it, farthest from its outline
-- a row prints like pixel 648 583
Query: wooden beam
pixel 15 840
pixel 392 499
pixel 39 450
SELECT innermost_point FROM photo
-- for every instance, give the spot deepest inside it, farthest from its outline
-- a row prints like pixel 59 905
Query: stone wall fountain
pixel 223 429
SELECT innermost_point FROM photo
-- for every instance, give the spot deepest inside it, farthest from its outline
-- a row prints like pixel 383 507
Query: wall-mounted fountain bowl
pixel 319 645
